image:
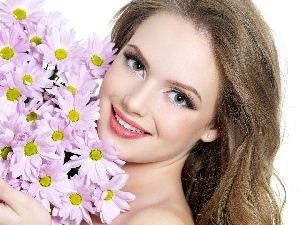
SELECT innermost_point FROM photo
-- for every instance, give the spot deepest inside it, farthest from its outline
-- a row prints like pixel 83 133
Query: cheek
pixel 181 130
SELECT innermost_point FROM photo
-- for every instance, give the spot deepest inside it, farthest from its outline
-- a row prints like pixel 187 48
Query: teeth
pixel 127 126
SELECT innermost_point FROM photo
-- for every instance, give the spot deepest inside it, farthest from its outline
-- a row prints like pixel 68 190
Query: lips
pixel 125 127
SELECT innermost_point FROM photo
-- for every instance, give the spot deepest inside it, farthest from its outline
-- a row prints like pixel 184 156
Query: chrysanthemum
pixel 6 149
pixel 77 205
pixel 12 46
pixel 53 19
pixel 96 160
pixel 78 81
pixel 110 201
pixel 29 157
pixel 34 110
pixel 35 36
pixel 100 55
pixel 33 78
pixel 21 12
pixel 55 132
pixel 11 94
pixel 77 110
pixel 16 123
pixel 51 184
pixel 61 50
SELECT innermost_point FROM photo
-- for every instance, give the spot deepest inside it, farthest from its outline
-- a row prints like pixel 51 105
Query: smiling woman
pixel 192 102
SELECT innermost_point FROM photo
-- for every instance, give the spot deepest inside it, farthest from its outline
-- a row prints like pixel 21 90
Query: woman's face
pixel 158 98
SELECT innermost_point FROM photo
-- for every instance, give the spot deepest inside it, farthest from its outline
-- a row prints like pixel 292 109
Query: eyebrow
pixel 173 82
pixel 140 55
pixel 186 87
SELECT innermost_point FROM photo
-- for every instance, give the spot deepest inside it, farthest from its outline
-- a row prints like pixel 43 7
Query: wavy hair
pixel 228 181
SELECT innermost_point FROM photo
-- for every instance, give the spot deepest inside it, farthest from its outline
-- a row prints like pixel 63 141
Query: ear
pixel 210 135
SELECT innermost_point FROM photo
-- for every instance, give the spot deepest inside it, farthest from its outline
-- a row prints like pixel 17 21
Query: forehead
pixel 175 48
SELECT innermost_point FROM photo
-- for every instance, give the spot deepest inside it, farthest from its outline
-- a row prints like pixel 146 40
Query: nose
pixel 138 101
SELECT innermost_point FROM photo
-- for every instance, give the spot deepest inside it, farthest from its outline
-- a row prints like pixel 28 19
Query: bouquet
pixel 49 146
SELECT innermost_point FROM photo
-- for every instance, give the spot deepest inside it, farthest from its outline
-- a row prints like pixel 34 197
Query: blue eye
pixel 135 64
pixel 180 99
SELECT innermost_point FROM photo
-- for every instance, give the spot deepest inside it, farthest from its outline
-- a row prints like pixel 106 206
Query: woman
pixel 192 102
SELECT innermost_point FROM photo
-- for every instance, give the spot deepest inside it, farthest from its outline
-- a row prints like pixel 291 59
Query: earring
pixel 208 136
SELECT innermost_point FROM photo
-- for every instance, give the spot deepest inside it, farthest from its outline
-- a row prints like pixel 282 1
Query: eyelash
pixel 131 56
pixel 186 97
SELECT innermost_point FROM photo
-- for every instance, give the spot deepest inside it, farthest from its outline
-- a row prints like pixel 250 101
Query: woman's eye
pixel 179 98
pixel 136 66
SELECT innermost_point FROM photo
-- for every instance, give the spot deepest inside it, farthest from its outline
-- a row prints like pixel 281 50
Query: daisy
pixel 100 55
pixel 35 35
pixel 77 205
pixel 61 50
pixel 16 123
pixel 11 94
pixel 6 139
pixel 78 110
pixel 33 78
pixel 55 132
pixel 13 47
pixel 29 157
pixel 51 184
pixel 77 81
pixel 110 201
pixel 96 161
pixel 21 12
pixel 53 19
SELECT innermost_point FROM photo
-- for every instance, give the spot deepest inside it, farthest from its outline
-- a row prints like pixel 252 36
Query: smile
pixel 125 127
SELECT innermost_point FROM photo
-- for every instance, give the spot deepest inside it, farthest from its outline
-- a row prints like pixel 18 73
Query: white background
pixel 283 16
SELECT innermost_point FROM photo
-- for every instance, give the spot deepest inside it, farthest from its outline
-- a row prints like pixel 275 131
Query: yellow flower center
pixel 97 60
pixel 75 199
pixel 20 14
pixel 72 89
pixel 57 135
pixel 4 152
pixel 31 117
pixel 45 181
pixel 13 94
pixel 96 154
pixel 61 54
pixel 74 116
pixel 37 40
pixel 30 149
pixel 109 196
pixel 27 79
pixel 7 53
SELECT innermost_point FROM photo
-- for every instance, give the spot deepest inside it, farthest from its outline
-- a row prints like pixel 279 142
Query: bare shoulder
pixel 161 215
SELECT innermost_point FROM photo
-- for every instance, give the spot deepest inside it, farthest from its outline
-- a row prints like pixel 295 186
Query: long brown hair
pixel 228 181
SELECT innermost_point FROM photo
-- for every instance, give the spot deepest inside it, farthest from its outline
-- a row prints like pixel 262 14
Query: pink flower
pixel 100 55
pixel 11 94
pixel 35 36
pixel 6 150
pixel 53 19
pixel 78 81
pixel 51 184
pixel 21 12
pixel 29 157
pixel 110 201
pixel 97 160
pixel 61 50
pixel 77 205
pixel 55 132
pixel 78 110
pixel 33 78
pixel 13 47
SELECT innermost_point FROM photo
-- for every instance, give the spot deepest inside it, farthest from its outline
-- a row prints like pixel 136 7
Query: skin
pixel 177 55
pixel 144 94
